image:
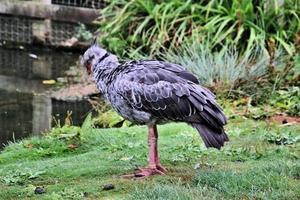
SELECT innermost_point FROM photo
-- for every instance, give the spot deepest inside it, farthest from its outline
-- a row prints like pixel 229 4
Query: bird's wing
pixel 169 92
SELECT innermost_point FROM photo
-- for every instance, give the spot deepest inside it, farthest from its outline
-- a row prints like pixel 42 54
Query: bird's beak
pixel 87 65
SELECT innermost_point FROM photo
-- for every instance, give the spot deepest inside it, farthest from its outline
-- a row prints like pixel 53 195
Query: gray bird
pixel 152 92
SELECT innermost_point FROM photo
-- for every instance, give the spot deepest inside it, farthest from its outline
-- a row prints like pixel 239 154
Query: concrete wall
pixel 39 27
pixel 45 10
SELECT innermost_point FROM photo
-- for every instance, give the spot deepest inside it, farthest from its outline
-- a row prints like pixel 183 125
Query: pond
pixel 25 105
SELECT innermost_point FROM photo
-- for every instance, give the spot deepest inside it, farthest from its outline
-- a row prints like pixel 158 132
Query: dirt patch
pixel 284 119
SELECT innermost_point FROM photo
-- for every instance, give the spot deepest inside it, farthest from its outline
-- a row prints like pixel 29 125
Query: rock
pixel 31 55
pixel 39 190
pixel 61 80
pixel 70 42
pixel 108 187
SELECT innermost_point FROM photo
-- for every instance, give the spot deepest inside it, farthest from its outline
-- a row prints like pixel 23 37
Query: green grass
pixel 247 168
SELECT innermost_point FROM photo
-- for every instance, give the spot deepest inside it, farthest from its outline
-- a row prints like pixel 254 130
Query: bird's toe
pixel 161 168
pixel 146 172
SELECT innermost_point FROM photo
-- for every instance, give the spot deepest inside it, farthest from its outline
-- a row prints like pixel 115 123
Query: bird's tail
pixel 211 137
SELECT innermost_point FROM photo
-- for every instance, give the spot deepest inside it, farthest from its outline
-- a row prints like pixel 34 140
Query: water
pixel 25 106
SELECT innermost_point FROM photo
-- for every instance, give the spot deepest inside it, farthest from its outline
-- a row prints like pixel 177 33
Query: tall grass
pixel 146 25
pixel 245 22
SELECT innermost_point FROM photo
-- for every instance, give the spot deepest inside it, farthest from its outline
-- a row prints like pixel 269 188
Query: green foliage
pixel 107 117
pixel 110 119
pixel 288 100
pixel 243 154
pixel 136 24
pixel 34 149
pixel 253 21
pixel 281 137
pixel 28 191
pixel 237 48
pixel 188 148
pixel 67 194
pixel 69 134
pixel 20 177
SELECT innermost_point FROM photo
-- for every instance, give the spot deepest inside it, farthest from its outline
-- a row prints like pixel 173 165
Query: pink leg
pixel 152 142
pixel 157 161
pixel 154 166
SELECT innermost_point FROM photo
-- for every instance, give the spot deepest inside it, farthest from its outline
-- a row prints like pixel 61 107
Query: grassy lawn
pixel 249 167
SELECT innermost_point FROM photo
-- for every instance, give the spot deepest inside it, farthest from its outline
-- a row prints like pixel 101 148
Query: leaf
pixel 87 124
pixel 49 82
pixel 285 45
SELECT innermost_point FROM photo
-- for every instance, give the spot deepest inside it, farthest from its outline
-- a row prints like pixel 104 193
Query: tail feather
pixel 211 137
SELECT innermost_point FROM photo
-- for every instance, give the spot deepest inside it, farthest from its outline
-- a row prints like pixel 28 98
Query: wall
pixel 45 23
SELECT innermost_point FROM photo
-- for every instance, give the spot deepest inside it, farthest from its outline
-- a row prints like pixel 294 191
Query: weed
pixel 69 134
pixel 288 100
pixel 281 137
pixel 243 154
pixel 19 177
pixel 67 194
pixel 109 119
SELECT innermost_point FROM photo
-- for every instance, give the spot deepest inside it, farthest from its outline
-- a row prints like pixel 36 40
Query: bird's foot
pixel 146 172
pixel 161 168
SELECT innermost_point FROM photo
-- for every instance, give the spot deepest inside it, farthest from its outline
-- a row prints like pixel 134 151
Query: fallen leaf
pixel 72 146
pixel 49 82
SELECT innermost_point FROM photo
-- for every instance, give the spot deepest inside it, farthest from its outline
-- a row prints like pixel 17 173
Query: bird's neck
pixel 102 72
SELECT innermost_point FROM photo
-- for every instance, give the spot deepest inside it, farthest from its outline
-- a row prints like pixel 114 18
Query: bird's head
pixel 92 55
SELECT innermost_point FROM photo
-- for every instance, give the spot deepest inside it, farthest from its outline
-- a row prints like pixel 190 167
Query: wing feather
pixel 169 92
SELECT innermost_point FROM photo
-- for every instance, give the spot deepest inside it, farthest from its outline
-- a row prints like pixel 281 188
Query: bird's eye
pixel 91 58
